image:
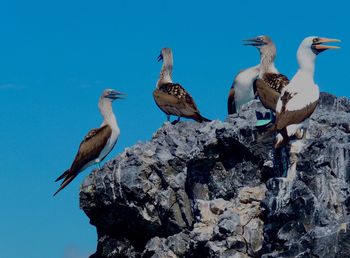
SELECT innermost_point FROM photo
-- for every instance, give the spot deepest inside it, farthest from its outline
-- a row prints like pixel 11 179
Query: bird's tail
pixel 199 118
pixel 66 181
pixel 231 105
pixel 64 174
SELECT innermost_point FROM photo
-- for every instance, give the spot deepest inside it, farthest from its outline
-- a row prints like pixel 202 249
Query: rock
pixel 215 190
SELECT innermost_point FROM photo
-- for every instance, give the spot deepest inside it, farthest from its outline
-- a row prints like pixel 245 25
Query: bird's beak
pixel 116 95
pixel 160 58
pixel 253 42
pixel 318 45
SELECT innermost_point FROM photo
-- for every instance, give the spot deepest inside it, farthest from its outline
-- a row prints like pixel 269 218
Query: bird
pixel 243 87
pixel 241 91
pixel 171 97
pixel 299 99
pixel 270 82
pixel 98 142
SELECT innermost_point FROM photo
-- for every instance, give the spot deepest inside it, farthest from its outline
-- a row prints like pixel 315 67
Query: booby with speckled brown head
pixel 171 97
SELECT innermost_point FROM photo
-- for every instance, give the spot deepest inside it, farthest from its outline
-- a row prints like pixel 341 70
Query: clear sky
pixel 56 57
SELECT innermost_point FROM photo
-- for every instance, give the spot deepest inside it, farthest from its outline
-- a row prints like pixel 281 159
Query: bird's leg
pixel 263 119
pixel 273 117
pixel 176 121
pixel 296 146
pixel 304 133
pixel 98 165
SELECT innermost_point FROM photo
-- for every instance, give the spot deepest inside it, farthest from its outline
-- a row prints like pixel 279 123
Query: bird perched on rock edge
pixel 98 143
pixel 299 98
pixel 243 88
pixel 171 97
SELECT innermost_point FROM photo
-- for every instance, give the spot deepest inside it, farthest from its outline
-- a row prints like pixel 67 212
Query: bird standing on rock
pixel 270 82
pixel 299 98
pixel 98 143
pixel 171 97
pixel 244 85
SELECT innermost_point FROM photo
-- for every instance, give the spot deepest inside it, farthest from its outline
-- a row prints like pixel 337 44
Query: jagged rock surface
pixel 214 190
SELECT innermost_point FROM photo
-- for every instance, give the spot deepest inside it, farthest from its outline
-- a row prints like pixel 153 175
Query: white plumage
pixel 299 98
pixel 243 86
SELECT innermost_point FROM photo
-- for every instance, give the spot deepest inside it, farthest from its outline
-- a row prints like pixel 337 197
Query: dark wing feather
pixel 269 89
pixel 66 181
pixel 173 99
pixel 276 81
pixel 231 104
pixel 286 117
pixel 176 90
pixel 89 149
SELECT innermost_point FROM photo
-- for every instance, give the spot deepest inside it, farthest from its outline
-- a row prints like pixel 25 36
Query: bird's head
pixel 165 54
pixel 111 95
pixel 258 42
pixel 310 47
pixel 263 43
pixel 315 44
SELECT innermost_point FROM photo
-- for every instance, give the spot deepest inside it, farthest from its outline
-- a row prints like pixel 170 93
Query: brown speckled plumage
pixel 174 100
pixel 269 88
pixel 176 90
pixel 171 97
pixel 276 81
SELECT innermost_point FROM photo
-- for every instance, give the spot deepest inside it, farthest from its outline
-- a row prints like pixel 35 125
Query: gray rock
pixel 214 190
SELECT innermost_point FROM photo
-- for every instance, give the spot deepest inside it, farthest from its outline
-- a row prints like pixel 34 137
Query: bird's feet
pixel 176 121
pixel 264 120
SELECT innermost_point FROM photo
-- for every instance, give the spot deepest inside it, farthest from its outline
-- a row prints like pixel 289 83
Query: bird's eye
pixel 315 40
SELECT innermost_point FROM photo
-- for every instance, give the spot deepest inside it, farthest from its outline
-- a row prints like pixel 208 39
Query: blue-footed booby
pixel 299 98
pixel 270 82
pixel 241 90
pixel 243 87
pixel 171 97
pixel 98 143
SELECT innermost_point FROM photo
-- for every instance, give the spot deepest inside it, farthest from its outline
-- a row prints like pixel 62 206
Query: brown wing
pixel 269 89
pixel 276 81
pixel 231 105
pixel 173 99
pixel 91 147
pixel 286 117
pixel 89 135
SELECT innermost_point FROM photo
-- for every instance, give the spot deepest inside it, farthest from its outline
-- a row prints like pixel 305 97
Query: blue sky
pixel 57 57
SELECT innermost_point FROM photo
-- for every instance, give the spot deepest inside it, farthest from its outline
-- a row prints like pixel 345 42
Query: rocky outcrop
pixel 219 189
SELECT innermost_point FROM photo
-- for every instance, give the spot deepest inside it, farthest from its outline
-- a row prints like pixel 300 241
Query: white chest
pixel 304 92
pixel 109 145
pixel 243 86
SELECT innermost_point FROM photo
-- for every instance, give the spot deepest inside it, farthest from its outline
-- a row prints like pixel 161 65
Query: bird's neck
pixel 267 62
pixel 109 118
pixel 306 61
pixel 165 75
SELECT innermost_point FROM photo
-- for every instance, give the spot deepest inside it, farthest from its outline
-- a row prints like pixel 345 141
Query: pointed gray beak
pixel 116 95
pixel 253 42
pixel 160 58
